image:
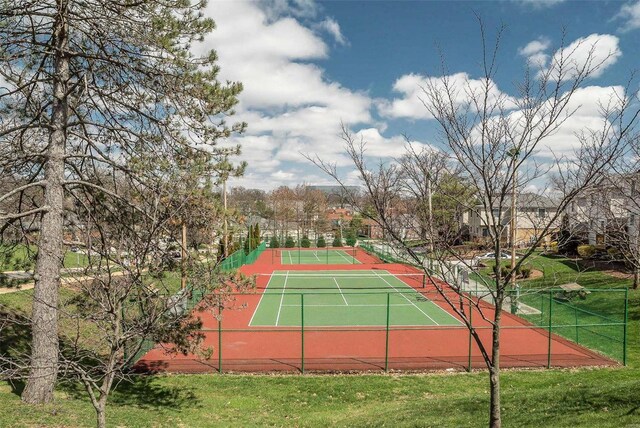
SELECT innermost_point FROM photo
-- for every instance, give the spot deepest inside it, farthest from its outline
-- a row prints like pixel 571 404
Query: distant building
pixel 606 209
pixel 532 214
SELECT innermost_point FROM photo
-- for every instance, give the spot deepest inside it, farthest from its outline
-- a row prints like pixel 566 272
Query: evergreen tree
pixel 305 242
pixel 98 86
pixel 337 241
pixel 321 242
pixel 256 235
pixel 351 238
pixel 289 243
pixel 274 242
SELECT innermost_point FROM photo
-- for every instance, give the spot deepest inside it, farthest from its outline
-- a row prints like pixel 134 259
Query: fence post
pixel 575 311
pixel 220 338
pixel 302 332
pixel 470 336
pixel 626 320
pixel 549 346
pixel 386 345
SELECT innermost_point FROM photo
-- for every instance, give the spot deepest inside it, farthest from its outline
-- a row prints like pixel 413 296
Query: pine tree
pixel 98 86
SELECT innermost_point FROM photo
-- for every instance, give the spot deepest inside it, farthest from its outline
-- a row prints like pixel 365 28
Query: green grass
pixel 19 257
pixel 595 321
pixel 554 398
pixel 346 298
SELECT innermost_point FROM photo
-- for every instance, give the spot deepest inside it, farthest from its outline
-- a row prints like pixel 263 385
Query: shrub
pixel 614 253
pixel 586 251
pixel 525 271
pixel 337 241
pixel 289 242
pixel 274 242
pixel 321 242
pixel 504 271
pixel 351 238
pixel 304 242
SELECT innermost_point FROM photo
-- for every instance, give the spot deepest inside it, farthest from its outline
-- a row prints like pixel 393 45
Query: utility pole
pixel 514 221
pixel 224 202
pixel 514 152
pixel 183 257
pixel 430 204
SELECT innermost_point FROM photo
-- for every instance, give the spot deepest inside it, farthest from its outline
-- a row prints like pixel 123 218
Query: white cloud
pixel 586 105
pixel 411 106
pixel 593 53
pixel 291 107
pixel 630 15
pixel 535 51
pixel 332 27
pixel 540 4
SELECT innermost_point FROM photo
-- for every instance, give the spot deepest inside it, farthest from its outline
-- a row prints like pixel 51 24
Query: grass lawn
pixel 599 317
pixel 14 257
pixel 531 398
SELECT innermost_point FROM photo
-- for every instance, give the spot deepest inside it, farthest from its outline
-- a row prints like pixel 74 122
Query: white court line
pixel 281 298
pixel 340 289
pixel 315 253
pixel 290 259
pixel 402 294
pixel 352 305
pixel 343 256
pixel 260 301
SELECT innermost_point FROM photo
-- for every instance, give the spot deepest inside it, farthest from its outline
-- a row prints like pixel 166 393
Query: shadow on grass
pixel 144 392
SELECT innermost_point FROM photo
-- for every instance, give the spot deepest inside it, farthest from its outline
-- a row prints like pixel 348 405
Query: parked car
pixel 504 255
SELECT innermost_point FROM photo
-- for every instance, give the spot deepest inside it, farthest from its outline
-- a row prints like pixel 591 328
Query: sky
pixel 308 66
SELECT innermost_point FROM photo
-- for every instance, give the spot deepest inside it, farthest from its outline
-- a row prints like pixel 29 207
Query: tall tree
pixel 91 86
pixel 494 138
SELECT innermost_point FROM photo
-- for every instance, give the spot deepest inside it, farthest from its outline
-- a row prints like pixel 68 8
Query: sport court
pixel 317 257
pixel 346 298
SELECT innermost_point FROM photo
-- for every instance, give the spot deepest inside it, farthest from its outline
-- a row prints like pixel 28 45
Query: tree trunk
pixel 495 418
pixel 636 277
pixel 44 344
pixel 101 414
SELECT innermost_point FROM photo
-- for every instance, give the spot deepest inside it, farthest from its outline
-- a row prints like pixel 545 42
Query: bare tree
pixel 95 85
pixel 494 139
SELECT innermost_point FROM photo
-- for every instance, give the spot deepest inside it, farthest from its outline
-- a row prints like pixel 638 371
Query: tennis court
pixel 347 298
pixel 318 256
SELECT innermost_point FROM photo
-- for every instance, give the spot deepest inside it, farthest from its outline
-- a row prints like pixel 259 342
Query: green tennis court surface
pixel 346 298
pixel 317 257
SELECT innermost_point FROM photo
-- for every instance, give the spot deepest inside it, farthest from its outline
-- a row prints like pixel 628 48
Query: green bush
pixel 289 242
pixel 504 271
pixel 586 251
pixel 351 238
pixel 614 253
pixel 305 242
pixel 274 242
pixel 337 241
pixel 321 242
pixel 525 271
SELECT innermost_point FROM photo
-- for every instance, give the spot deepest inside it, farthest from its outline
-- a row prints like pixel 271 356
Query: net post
pixel 626 320
pixel 549 344
pixel 470 336
pixel 424 280
pixel 220 338
pixel 386 345
pixel 302 333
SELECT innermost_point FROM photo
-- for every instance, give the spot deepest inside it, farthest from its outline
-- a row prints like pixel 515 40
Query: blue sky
pixel 307 66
